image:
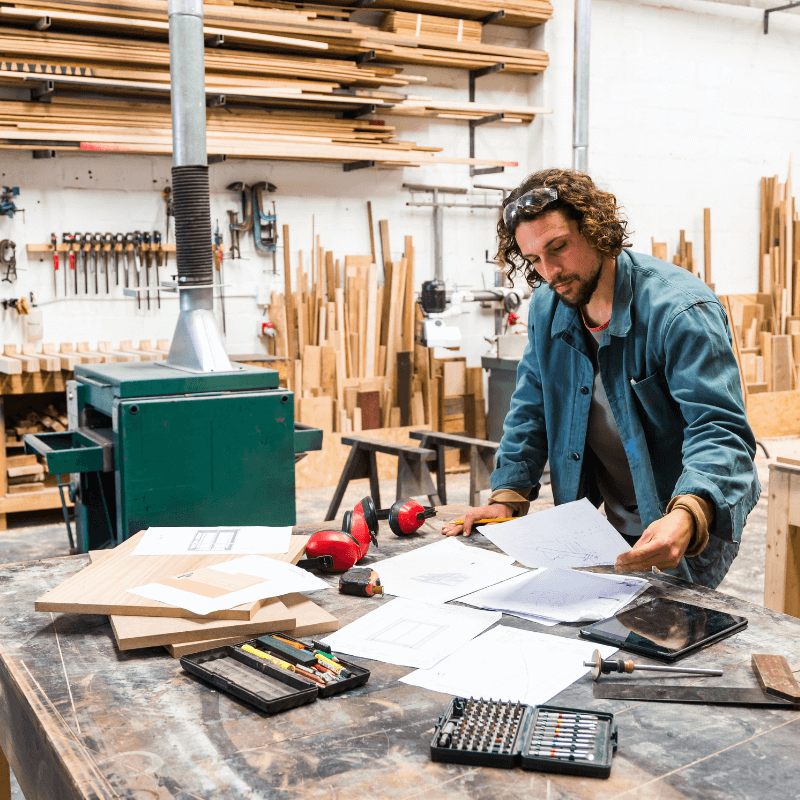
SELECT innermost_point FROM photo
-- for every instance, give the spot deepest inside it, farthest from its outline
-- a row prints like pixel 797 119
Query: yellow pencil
pixel 483 521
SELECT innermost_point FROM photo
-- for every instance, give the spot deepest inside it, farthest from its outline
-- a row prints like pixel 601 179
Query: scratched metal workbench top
pixel 80 719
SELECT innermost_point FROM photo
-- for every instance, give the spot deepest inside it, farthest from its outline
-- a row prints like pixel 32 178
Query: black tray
pixel 271 690
pixel 359 677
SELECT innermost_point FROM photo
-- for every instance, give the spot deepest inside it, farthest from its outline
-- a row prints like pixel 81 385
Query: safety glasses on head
pixel 535 200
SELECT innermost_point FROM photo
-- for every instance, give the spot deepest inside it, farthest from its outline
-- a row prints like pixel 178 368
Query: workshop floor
pixel 47 536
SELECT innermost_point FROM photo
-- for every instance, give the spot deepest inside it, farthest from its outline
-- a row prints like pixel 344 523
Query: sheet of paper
pixel 208 540
pixel 243 580
pixel 444 571
pixel 565 595
pixel 570 535
pixel 510 664
pixel 411 634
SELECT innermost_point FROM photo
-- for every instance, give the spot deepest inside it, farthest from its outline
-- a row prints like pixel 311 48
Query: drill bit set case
pixel 492 733
pixel 262 684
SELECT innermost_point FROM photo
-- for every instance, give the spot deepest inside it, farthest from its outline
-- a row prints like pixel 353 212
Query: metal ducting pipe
pixel 580 113
pixel 196 345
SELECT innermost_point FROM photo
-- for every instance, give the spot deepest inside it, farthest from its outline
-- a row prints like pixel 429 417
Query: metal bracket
pixel 43 91
pixel 768 11
pixel 490 18
pixel 218 158
pixel 355 113
pixel 43 24
pixel 44 153
pixel 214 100
pixel 353 165
pixel 474 74
pixel 216 40
pixel 364 57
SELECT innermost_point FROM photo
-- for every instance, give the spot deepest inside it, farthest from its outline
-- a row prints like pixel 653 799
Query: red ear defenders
pixel 359 530
pixel 407 516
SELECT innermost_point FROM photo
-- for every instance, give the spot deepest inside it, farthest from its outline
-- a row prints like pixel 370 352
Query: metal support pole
pixel 580 133
pixel 438 238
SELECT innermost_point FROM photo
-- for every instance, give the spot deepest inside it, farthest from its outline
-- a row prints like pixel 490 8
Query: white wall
pixel 690 106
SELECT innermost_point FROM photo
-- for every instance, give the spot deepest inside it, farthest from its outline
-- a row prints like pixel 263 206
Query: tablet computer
pixel 664 629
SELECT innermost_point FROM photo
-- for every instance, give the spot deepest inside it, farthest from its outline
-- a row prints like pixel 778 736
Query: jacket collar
pixel 565 318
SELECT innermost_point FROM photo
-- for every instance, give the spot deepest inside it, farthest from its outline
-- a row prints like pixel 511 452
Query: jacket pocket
pixel 660 415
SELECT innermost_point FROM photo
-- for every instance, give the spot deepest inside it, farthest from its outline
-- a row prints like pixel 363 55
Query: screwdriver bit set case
pixel 491 733
pixel 260 683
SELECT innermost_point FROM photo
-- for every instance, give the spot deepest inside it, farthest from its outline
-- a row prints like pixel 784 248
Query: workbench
pixel 78 719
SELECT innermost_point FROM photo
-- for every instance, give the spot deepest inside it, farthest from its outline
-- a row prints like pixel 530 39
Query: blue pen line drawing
pixel 213 540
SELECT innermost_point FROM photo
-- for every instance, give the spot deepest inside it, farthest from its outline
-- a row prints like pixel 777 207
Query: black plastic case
pixel 491 733
pixel 262 684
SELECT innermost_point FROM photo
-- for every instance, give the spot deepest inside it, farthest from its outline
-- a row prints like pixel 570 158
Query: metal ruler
pixel 708 695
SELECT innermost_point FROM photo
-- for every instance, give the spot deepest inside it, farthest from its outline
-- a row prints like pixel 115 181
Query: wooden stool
pixel 481 460
pixel 413 476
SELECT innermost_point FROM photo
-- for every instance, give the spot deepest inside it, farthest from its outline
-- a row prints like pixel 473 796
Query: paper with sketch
pixel 510 664
pixel 411 634
pixel 444 571
pixel 565 595
pixel 207 540
pixel 570 535
pixel 222 586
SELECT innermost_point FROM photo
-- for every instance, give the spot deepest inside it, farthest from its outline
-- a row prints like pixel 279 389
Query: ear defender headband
pixel 535 200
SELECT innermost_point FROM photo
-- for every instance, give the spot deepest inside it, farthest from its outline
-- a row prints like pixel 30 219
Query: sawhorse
pixel 413 475
pixel 481 460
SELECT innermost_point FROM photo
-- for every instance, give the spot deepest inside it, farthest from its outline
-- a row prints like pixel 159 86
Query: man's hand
pixel 494 511
pixel 662 545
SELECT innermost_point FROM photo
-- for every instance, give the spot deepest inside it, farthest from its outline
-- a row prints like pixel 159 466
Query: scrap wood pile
pixel 101 588
pixel 767 324
pixel 285 57
pixel 355 365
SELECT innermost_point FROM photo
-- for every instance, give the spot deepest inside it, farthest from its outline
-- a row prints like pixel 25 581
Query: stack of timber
pixel 100 589
pixel 426 25
pixel 685 258
pixel 766 325
pixel 24 474
pixel 277 58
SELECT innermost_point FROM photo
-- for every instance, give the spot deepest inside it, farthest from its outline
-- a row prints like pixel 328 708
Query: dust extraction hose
pixel 192 203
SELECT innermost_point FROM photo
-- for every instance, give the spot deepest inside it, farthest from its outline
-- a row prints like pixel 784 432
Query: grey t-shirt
pixel 612 473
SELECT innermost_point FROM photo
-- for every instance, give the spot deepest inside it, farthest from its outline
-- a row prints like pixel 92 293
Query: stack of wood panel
pixel 427 25
pixel 24 474
pixel 137 622
pixel 285 58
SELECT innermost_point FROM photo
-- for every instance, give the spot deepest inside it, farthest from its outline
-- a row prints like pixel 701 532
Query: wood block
pixel 99 590
pixel 760 370
pixel 394 417
pixel 317 411
pixel 756 388
pixel 28 364
pixel 369 403
pixel 47 363
pixel 766 352
pixel 350 400
pixel 22 479
pixel 312 367
pixel 782 364
pixel 659 250
pixel 749 367
pixel 454 373
pixel 25 469
pixel 21 461
pixel 328 370
pixel 417 409
pixel 310 620
pixel 796 347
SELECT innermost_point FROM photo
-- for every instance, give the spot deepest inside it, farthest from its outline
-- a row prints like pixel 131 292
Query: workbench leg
pixel 3 463
pixel 5 778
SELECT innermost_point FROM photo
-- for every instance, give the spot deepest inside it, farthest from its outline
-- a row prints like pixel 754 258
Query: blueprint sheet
pixel 208 540
pixel 566 595
pixel 411 634
pixel 444 571
pixel 570 535
pixel 510 664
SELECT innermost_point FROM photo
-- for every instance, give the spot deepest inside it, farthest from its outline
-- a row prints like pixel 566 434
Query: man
pixel 628 385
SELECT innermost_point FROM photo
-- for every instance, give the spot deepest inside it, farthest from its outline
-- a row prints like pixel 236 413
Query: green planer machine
pixel 151 445
pixel 194 440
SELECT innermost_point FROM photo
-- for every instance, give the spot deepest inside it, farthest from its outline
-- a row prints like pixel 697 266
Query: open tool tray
pixel 491 733
pixel 359 677
pixel 271 690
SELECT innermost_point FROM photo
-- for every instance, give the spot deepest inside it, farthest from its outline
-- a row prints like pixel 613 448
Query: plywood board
pixel 99 589
pixel 311 621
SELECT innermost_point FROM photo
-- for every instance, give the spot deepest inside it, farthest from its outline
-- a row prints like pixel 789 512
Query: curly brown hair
pixel 596 212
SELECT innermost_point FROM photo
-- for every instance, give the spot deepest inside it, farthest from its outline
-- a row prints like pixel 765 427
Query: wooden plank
pixel 782 565
pixel 312 368
pixel 68 362
pixel 408 297
pixel 317 411
pixel 287 284
pixel 707 247
pixel 310 620
pixel 10 366
pixel 328 371
pixel 782 363
pixel 98 589
pixel 28 363
pixel 773 414
pixel 766 351
pixel 389 296
pixel 455 377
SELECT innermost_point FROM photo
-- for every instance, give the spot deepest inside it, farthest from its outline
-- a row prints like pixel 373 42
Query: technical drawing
pixel 213 540
pixel 441 578
pixel 407 633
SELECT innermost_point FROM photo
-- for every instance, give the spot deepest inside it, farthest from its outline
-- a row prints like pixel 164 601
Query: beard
pixel 586 288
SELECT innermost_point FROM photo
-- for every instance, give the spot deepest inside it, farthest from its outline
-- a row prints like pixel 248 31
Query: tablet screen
pixel 664 627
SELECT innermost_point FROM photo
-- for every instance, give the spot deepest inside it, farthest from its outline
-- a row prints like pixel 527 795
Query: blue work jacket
pixel 673 386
